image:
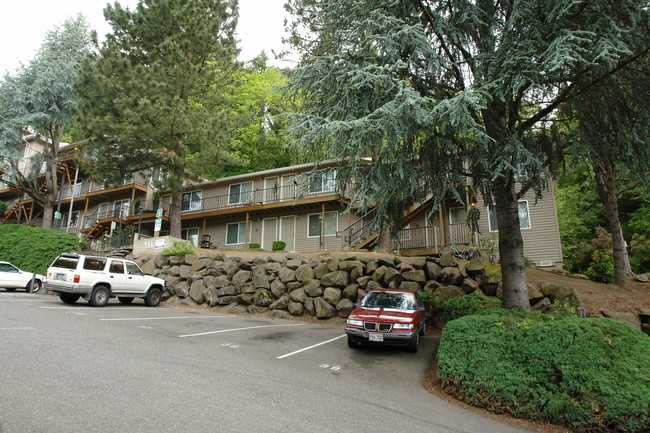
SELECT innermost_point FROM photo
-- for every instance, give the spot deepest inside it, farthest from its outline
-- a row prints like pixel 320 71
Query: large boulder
pixel 281 304
pixel 324 310
pixel 451 276
pixel 534 295
pixel 313 288
pixel 296 308
pixel 241 277
pixel 447 259
pixel 348 265
pixel 392 274
pixel 629 318
pixel 182 289
pixel 410 286
pixel 332 295
pixel 287 275
pixel 344 307
pixel 261 282
pixel 474 267
pixel 210 295
pixel 196 291
pixel 415 275
pixel 273 267
pixel 262 298
pixel 350 292
pixel 445 293
pixel 298 295
pixel 469 285
pixel 310 306
pixel 339 279
pixel 563 294
pixel 278 288
pixel 304 273
pixel 320 270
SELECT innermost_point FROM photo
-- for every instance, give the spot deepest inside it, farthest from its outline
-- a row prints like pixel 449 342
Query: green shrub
pixel 278 246
pixel 179 248
pixel 601 268
pixel 590 374
pixel 33 249
pixel 254 246
pixel 474 303
pixel 640 253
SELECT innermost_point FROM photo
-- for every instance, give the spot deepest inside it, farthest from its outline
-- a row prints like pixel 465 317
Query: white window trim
pixel 530 223
pixel 250 232
pixel 230 203
pixel 191 192
pixel 327 236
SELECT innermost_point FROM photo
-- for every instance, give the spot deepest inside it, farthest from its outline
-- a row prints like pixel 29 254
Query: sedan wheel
pixel 35 287
pixel 413 344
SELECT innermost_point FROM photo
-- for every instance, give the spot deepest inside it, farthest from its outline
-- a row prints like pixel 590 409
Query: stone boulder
pixel 281 304
pixel 313 288
pixel 415 275
pixel 410 286
pixel 447 260
pixel 196 291
pixel 280 314
pixel 304 273
pixel 629 318
pixel 261 282
pixel 339 279
pixel 344 307
pixel 350 292
pixel 210 295
pixel 332 295
pixel 296 308
pixel 262 298
pixel 241 277
pixel 298 295
pixel 445 293
pixel 557 292
pixel 182 289
pixel 278 288
pixel 287 275
pixel 324 310
pixel 310 306
pixel 451 276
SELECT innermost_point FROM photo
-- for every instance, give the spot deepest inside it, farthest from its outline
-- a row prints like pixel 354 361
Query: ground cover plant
pixel 588 374
pixel 32 249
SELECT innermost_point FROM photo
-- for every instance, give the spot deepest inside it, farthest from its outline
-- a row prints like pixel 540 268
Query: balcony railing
pixel 359 229
pixel 88 187
pixel 240 199
pixel 432 237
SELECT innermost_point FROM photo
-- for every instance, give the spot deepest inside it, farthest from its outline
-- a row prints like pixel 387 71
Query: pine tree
pixel 451 89
pixel 39 99
pixel 153 95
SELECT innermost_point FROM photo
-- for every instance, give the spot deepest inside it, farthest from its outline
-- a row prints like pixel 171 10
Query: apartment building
pixel 282 204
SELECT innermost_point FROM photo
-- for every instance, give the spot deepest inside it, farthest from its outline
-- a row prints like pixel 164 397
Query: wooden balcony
pixel 431 240
pixel 261 201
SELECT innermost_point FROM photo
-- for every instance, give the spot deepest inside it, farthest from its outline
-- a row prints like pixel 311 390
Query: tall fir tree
pixel 153 95
pixel 38 99
pixel 444 90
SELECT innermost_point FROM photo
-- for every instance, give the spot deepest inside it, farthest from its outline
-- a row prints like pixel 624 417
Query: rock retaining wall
pixel 324 285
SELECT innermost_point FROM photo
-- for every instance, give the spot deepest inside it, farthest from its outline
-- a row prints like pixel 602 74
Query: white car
pixel 12 278
pixel 98 278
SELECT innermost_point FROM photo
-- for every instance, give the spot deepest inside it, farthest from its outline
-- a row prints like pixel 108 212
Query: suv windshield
pixel 400 301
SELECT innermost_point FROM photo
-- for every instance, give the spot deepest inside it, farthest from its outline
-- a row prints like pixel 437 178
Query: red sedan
pixel 390 317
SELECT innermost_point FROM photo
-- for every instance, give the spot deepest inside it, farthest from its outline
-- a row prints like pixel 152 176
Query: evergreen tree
pixel 38 99
pixel 153 96
pixel 435 85
pixel 613 133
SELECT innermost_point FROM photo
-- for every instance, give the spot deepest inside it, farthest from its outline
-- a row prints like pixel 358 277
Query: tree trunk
pixel 383 241
pixel 175 217
pixel 605 180
pixel 48 214
pixel 511 247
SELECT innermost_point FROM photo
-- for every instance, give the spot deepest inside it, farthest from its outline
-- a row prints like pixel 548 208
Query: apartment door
pixel 121 209
pixel 288 232
pixel 271 189
pixel 289 187
pixel 270 232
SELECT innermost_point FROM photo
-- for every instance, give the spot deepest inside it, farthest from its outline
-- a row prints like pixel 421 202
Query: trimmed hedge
pixel 590 374
pixel 474 303
pixel 33 249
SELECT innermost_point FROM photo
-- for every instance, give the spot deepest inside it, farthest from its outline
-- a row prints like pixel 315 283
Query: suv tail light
pixel 77 278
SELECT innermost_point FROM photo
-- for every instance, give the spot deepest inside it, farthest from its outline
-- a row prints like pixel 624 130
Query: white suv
pixel 98 278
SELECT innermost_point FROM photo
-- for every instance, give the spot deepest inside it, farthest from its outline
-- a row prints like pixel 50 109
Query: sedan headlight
pixel 408 326
pixel 353 322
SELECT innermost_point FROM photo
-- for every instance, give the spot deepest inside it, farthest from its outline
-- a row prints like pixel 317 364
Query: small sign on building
pixel 160 243
pixel 158 225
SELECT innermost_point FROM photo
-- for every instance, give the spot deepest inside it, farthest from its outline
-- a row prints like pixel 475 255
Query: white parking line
pixel 97 309
pixel 310 347
pixel 17 329
pixel 165 318
pixel 23 300
pixel 237 329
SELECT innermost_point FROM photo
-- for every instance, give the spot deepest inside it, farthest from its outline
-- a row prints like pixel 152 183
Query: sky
pixel 23 24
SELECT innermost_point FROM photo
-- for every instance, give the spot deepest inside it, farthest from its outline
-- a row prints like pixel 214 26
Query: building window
pixel 191 235
pixel 191 201
pixel 524 216
pixel 74 219
pixel 315 224
pixel 235 233
pixel 323 182
pixel 240 193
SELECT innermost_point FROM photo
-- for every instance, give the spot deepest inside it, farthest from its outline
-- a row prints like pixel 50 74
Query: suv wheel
pixel 68 298
pixel 153 298
pixel 100 296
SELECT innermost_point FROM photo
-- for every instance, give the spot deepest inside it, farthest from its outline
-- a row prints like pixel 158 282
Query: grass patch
pixel 33 249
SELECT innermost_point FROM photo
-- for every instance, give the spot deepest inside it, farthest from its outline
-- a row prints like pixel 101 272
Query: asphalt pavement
pixel 131 368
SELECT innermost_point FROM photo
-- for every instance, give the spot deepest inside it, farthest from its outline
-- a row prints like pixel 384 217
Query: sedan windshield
pixel 400 301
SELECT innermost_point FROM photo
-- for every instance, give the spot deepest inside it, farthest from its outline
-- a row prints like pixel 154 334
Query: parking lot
pixel 135 368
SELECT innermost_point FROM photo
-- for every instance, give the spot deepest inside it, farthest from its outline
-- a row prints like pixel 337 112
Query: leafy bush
pixel 590 374
pixel 640 253
pixel 578 258
pixel 601 268
pixel 278 246
pixel 33 249
pixel 179 248
pixel 254 246
pixel 474 303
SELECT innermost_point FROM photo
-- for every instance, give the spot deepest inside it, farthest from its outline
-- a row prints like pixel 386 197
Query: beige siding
pixel 542 239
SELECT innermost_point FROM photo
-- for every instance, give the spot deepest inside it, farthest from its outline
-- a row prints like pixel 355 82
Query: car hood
pixel 383 315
